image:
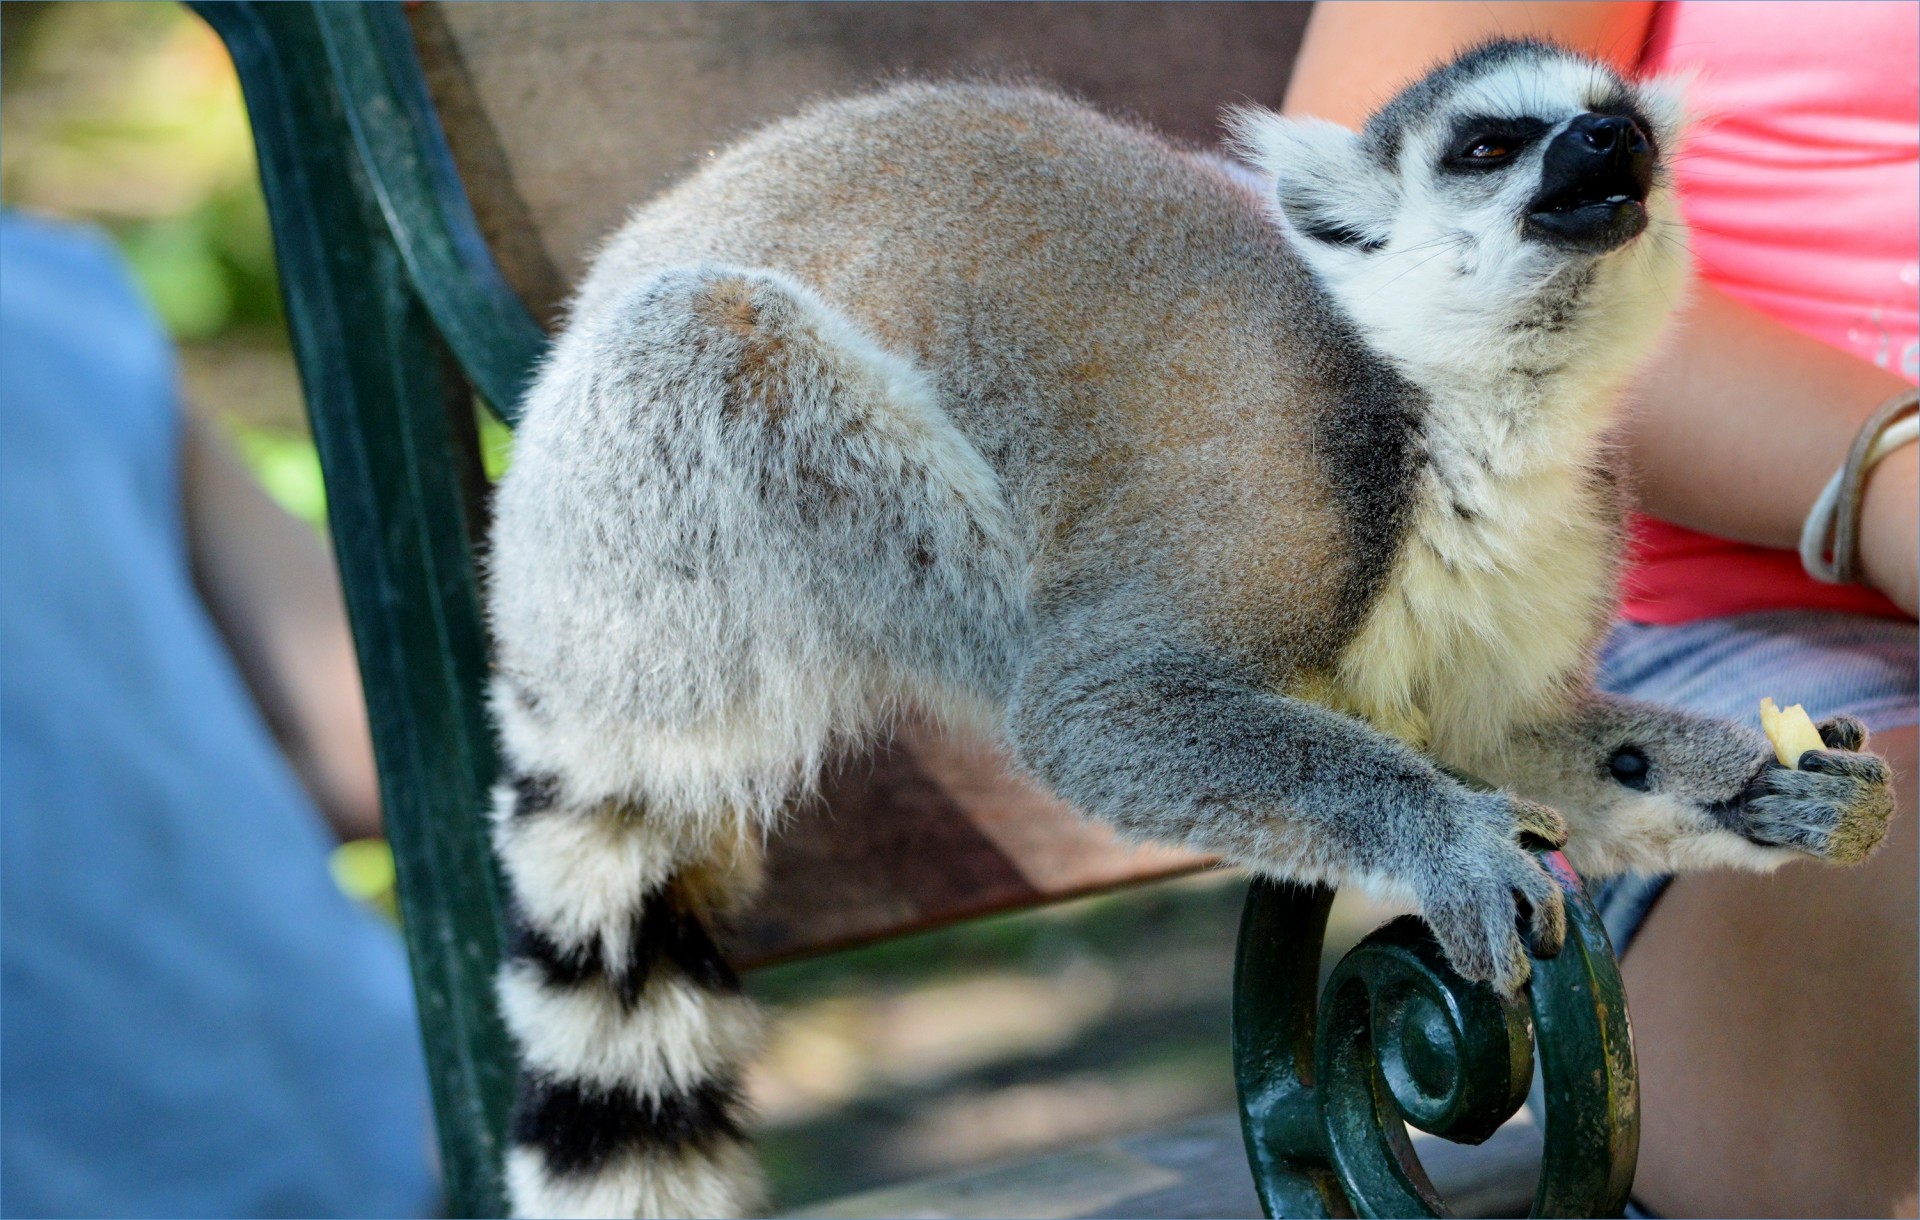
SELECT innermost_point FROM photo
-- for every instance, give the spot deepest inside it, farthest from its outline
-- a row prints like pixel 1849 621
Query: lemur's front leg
pixel 1653 789
pixel 1169 739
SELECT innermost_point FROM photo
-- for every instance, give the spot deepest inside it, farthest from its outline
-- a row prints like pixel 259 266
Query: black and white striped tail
pixel 631 1026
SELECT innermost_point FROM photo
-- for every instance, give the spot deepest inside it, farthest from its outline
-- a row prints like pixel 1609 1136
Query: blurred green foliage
pixel 363 869
pixel 287 466
pixel 128 116
pixel 210 270
pixel 496 444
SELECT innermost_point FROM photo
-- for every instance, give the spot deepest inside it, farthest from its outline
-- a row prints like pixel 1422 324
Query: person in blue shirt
pixel 194 1021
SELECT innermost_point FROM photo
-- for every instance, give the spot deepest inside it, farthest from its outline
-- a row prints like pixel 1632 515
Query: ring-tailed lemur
pixel 1232 512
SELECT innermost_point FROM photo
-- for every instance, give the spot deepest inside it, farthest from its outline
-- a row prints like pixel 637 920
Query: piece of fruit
pixel 1790 730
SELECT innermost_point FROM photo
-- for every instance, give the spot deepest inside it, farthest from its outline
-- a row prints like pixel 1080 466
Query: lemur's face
pixel 1515 194
pixel 1519 143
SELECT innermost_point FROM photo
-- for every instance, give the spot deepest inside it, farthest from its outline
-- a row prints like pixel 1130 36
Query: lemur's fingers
pixel 1540 822
pixel 1835 806
pixel 1496 893
pixel 1543 921
pixel 1868 769
pixel 1843 733
pixel 1480 940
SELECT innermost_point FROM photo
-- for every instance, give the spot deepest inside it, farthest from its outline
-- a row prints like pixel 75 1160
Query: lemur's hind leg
pixel 749 530
pixel 1654 789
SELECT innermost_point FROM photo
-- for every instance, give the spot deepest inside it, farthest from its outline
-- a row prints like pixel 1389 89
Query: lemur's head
pixel 1505 207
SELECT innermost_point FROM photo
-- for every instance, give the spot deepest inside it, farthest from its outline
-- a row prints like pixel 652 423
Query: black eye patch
pixel 1630 768
pixel 1480 144
pixel 1342 235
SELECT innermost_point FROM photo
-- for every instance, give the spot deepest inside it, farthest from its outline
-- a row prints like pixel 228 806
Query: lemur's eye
pixel 1629 767
pixel 1482 150
pixel 1486 143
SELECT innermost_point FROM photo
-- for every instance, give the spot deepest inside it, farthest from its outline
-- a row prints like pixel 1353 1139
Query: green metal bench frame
pixel 399 317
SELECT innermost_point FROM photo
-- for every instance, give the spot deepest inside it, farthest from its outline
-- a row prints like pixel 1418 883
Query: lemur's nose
pixel 1610 135
pixel 1595 177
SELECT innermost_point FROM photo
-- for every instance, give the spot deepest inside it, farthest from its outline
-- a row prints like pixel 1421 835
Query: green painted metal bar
pixel 1275 984
pixel 406 158
pixel 1398 1038
pixel 1592 1089
pixel 377 390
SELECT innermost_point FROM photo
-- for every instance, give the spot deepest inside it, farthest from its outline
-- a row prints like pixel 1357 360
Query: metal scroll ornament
pixel 1328 1089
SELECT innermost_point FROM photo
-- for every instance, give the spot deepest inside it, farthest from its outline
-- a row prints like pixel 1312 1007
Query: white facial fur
pixel 1445 281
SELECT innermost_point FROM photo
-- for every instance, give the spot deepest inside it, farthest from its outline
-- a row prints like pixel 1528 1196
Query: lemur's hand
pixel 1835 806
pixel 1486 886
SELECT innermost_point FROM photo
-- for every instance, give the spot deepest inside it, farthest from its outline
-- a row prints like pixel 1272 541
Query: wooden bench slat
pixel 562 116
pixel 927 830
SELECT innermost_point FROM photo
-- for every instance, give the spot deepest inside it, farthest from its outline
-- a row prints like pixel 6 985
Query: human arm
pixel 1356 55
pixel 1798 401
pixel 271 589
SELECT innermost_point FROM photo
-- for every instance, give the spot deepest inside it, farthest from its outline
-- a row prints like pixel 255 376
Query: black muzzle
pixel 1594 181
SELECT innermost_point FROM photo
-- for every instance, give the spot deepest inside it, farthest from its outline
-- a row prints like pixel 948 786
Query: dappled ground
pixel 1001 1038
pixel 1005 1037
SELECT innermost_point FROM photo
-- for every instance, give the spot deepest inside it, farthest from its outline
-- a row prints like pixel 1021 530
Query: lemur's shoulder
pixel 984 124
pixel 1015 190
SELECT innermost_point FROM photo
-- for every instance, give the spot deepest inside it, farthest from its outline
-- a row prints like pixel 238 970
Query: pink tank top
pixel 1802 188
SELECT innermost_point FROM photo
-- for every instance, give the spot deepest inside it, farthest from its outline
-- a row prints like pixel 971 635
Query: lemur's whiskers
pixel 1447 246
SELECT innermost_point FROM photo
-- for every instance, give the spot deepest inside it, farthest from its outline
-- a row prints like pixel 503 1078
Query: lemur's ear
pixel 1325 186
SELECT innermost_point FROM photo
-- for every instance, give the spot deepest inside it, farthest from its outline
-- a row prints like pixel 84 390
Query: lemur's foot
pixel 1835 806
pixel 1487 888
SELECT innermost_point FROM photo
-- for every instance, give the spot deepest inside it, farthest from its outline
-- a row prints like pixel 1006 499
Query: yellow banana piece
pixel 1790 730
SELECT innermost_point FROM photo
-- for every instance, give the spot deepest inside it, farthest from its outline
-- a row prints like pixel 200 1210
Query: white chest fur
pixel 1505 571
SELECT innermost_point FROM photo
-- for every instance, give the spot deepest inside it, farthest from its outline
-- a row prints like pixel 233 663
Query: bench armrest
pixel 1397 1035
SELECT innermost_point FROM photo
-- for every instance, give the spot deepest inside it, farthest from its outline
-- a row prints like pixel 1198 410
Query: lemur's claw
pixel 1835 806
pixel 1497 900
